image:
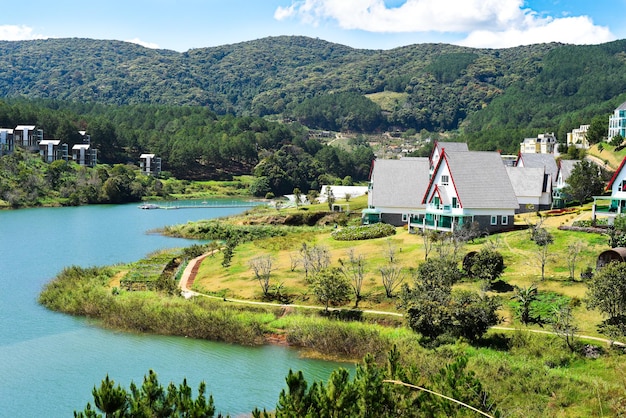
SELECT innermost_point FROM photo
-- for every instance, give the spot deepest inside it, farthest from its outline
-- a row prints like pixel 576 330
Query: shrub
pixel 361 232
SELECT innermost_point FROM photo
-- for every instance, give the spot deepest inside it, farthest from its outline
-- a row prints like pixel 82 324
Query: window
pixel 405 217
pixel 455 202
pixel 436 201
pixel 445 180
pixel 622 186
pixel 494 220
pixel 505 220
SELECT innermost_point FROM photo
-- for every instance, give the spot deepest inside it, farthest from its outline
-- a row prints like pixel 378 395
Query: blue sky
pixel 373 24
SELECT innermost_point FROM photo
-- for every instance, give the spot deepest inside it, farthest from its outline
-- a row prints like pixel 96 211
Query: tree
pixel 330 197
pixel 149 400
pixel 432 309
pixel 597 129
pixel 584 182
pixel 607 290
pixel 297 195
pixel 543 239
pixel 331 287
pixel 563 325
pixel 110 399
pixel 429 238
pixel 313 259
pixel 392 277
pixel 353 269
pixel 262 268
pixel 487 265
pixel 573 251
pixel 386 390
pixel 525 296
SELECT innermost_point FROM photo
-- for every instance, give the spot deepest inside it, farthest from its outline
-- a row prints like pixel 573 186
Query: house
pixel 578 137
pixel 532 186
pixel 49 149
pixel 27 137
pixel 438 148
pixel 150 164
pixel 84 155
pixel 6 141
pixel 466 187
pixel 542 144
pixel 559 198
pixel 396 189
pixel 545 161
pixel 615 204
pixel 617 122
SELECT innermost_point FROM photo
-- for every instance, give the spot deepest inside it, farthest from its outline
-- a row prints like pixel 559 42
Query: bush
pixel 361 232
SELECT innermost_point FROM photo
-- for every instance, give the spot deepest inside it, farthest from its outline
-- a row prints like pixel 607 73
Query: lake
pixel 50 362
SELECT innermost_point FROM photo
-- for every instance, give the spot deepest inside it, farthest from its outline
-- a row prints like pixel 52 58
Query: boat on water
pixel 148 206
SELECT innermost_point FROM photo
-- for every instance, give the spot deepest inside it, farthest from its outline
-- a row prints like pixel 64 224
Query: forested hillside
pixel 195 143
pixel 494 97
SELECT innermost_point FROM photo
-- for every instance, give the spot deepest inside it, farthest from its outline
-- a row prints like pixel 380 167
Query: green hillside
pixel 491 96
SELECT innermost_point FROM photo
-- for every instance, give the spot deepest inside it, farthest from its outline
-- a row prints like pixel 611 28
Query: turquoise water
pixel 50 362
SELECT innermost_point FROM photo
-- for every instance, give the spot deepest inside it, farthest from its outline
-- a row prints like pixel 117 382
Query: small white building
pixel 84 155
pixel 542 144
pixel 617 122
pixel 578 137
pixel 6 141
pixel 49 149
pixel 150 164
pixel 27 137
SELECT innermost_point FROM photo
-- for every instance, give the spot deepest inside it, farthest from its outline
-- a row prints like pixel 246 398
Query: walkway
pixel 190 272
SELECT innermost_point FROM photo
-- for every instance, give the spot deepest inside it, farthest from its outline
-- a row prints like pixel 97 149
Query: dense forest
pixel 494 97
pixel 194 143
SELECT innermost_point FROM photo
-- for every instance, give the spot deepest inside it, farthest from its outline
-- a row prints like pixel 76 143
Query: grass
pixel 520 256
pixel 608 154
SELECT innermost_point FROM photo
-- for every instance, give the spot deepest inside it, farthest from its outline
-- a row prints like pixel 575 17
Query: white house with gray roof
pixel 397 187
pixel 559 198
pixel 545 161
pixel 532 186
pixel 466 187
pixel 438 149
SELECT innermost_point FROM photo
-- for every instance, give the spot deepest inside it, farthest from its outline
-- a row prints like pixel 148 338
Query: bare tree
pixel 390 251
pixel 314 259
pixel 262 267
pixel 294 259
pixel 564 326
pixel 429 238
pixel 543 239
pixel 573 252
pixel 392 277
pixel 354 270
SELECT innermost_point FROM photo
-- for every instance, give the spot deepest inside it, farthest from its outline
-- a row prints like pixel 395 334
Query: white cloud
pixel 18 33
pixel 571 30
pixel 487 23
pixel 145 44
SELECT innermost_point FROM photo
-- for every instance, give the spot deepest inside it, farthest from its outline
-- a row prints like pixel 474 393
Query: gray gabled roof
pixel 526 181
pixel 481 180
pixel 545 161
pixel 622 106
pixel 566 168
pixel 399 183
pixel 452 146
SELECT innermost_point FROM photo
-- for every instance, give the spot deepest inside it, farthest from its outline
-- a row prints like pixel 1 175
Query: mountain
pixel 491 95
